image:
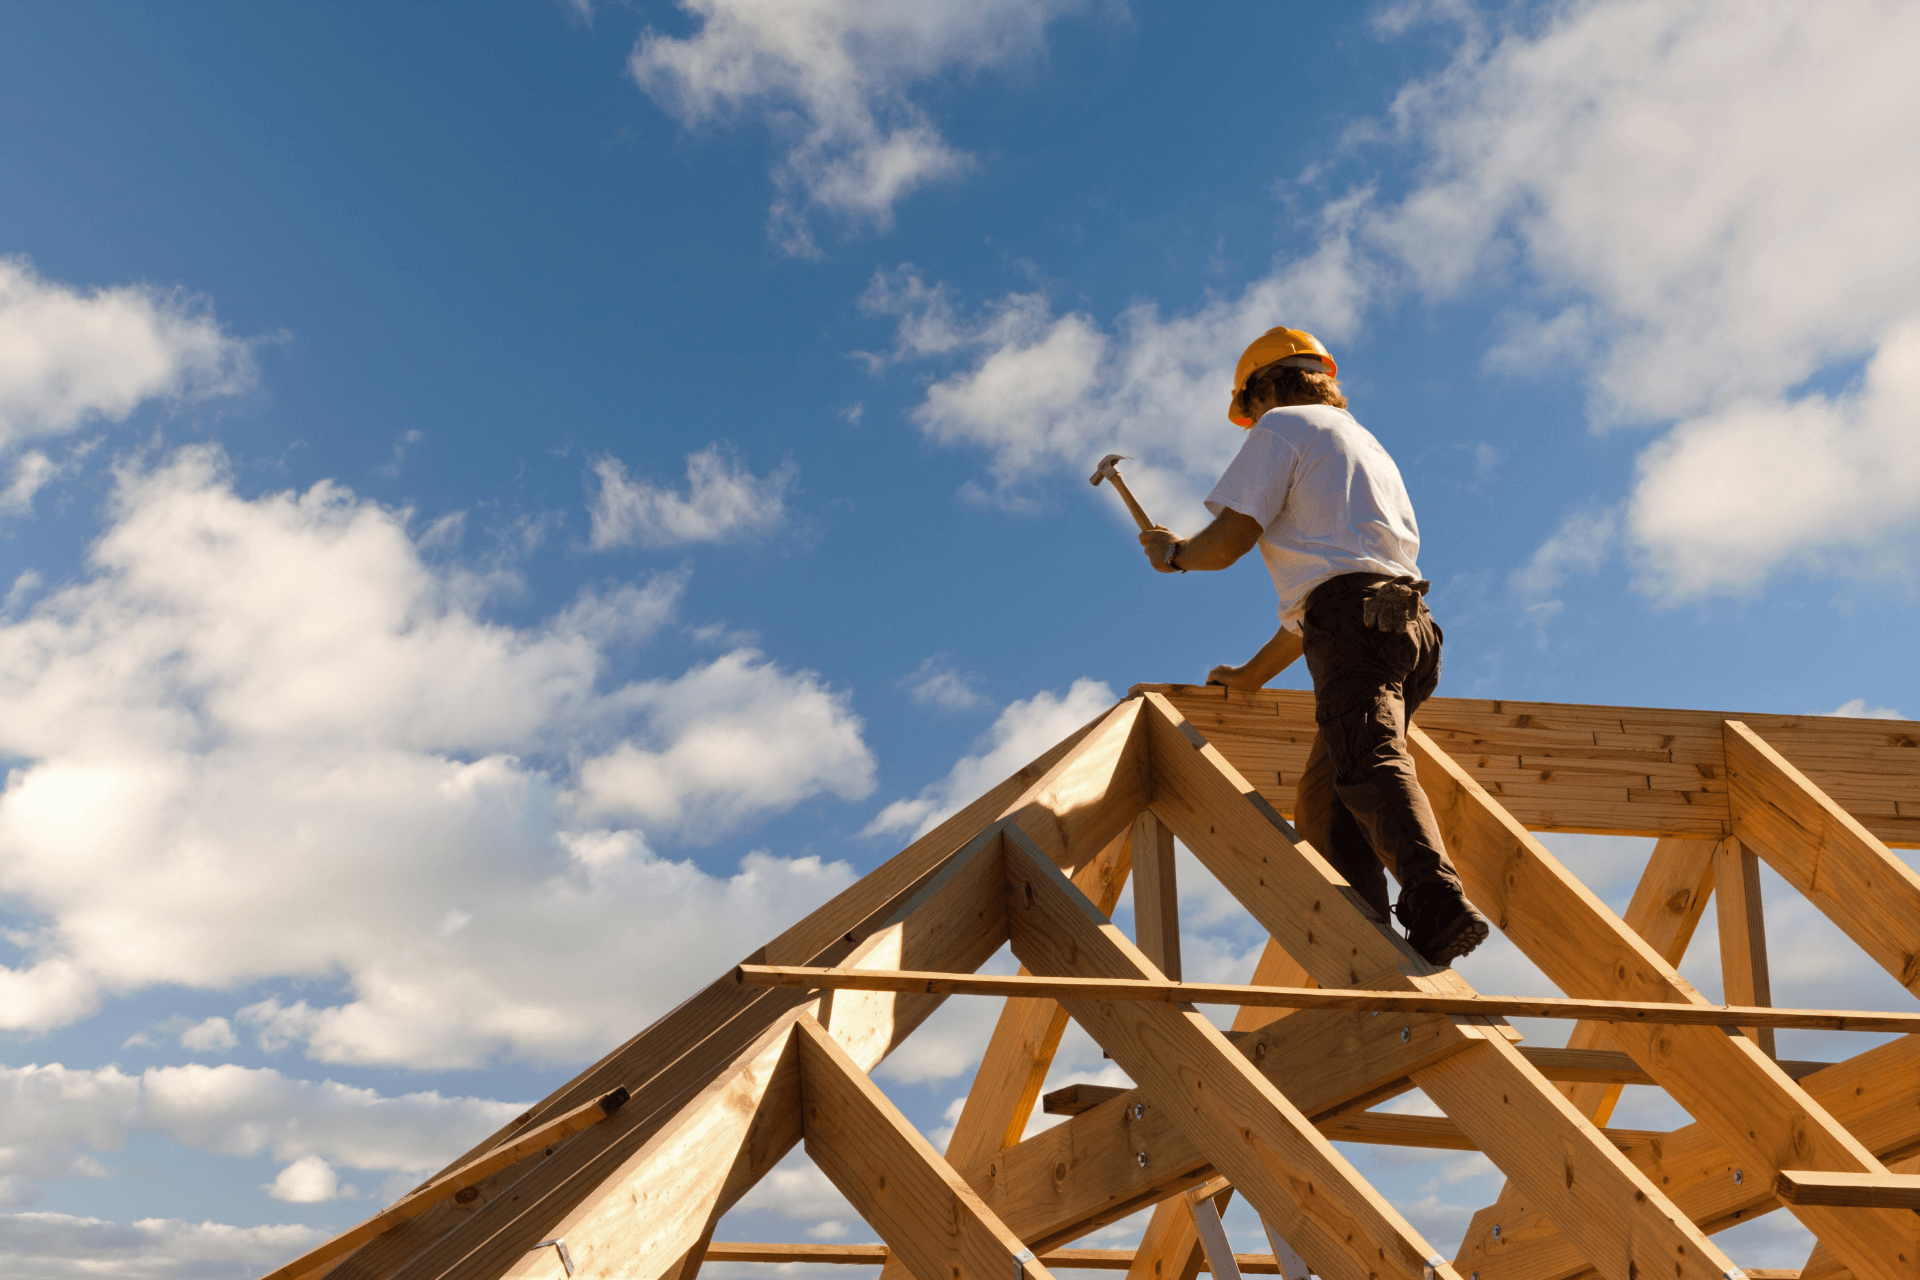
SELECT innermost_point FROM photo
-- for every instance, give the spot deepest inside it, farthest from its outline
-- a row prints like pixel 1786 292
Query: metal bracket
pixel 566 1259
pixel 1213 1239
pixel 1020 1261
pixel 1292 1265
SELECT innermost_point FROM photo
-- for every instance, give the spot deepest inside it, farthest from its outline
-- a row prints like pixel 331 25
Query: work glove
pixel 1160 546
pixel 1393 605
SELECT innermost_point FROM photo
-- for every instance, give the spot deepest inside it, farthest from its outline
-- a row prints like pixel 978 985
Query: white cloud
pixel 1045 393
pixel 723 502
pixel 56 1117
pixel 1582 544
pixel 737 738
pixel 308 1180
pixel 1022 731
pixel 59 1246
pixel 1643 214
pixel 214 1035
pixel 265 740
pixel 833 77
pixel 937 683
pixel 31 471
pixel 1859 709
pixel 67 356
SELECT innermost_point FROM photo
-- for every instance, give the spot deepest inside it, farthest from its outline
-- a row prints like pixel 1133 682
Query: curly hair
pixel 1297 386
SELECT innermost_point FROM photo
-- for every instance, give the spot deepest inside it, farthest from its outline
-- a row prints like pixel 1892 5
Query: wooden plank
pixel 681 1052
pixel 1871 768
pixel 1259 1264
pixel 1272 1153
pixel 1743 935
pixel 1079 1097
pixel 1876 1095
pixel 1822 1263
pixel 1380 1128
pixel 681 1180
pixel 1156 898
pixel 1155 990
pixel 1065 1181
pixel 1849 1190
pixel 957 917
pixel 1014 1067
pixel 1769 1121
pixel 1824 852
pixel 929 1217
pixel 461 1183
pixel 1619 1216
pixel 1613 1068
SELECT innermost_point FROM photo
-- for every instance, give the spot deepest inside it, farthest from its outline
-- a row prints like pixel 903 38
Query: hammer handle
pixel 1139 516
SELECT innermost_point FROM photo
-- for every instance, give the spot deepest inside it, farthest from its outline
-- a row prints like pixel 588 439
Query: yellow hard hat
pixel 1271 347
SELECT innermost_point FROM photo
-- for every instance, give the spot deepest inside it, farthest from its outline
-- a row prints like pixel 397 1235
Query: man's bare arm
pixel 1275 656
pixel 1230 536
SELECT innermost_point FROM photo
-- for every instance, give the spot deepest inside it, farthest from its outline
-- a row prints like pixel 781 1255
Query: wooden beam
pixel 925 1212
pixel 1259 1264
pixel 1743 935
pixel 1273 1155
pixel 1014 1067
pixel 1065 1181
pixel 1849 1190
pixel 458 1184
pixel 680 1053
pixel 1826 853
pixel 1613 1068
pixel 1666 908
pixel 1384 1129
pixel 1642 771
pixel 1156 896
pixel 1525 1126
pixel 1153 990
pixel 1080 1097
pixel 1876 1095
pixel 1764 1117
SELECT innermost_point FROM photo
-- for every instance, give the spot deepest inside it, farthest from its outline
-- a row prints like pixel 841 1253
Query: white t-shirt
pixel 1328 498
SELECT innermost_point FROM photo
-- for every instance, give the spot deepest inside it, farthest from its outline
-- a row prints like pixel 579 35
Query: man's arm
pixel 1275 656
pixel 1230 536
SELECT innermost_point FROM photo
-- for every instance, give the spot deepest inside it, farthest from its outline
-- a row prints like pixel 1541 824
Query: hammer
pixel 1107 471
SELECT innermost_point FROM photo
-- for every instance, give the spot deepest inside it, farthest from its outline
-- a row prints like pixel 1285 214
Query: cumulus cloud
pixel 264 739
pixel 69 356
pixel 1861 709
pixel 1022 731
pixel 60 1246
pixel 723 502
pixel 937 683
pixel 833 78
pixel 1612 171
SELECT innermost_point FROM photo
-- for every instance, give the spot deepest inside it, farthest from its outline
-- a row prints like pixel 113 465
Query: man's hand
pixel 1237 677
pixel 1160 546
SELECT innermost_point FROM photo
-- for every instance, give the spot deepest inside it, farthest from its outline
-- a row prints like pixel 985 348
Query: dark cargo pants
pixel 1359 801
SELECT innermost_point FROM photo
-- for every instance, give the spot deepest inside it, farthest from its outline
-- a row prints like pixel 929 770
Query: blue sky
pixel 493 498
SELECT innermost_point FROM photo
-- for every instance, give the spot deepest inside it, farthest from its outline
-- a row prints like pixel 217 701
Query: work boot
pixel 1440 923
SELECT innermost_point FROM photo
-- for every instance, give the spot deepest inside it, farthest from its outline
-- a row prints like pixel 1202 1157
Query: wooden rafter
pixel 720 1087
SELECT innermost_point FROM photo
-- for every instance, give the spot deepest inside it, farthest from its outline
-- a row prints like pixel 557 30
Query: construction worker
pixel 1327 507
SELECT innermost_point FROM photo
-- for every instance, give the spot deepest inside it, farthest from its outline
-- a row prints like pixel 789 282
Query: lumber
pixel 1617 1214
pixel 1153 990
pixel 1013 1069
pixel 1848 1190
pixel 1743 935
pixel 1825 852
pixel 1876 1095
pixel 1079 1097
pixel 1725 1081
pixel 1384 1129
pixel 456 1184
pixel 1063 1182
pixel 1291 1175
pixel 1613 1068
pixel 1670 762
pixel 925 1212
pixel 1156 897
pixel 957 915
pixel 1259 1264
pixel 680 1053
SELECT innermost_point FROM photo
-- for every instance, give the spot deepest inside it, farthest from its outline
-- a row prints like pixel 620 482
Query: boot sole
pixel 1461 935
